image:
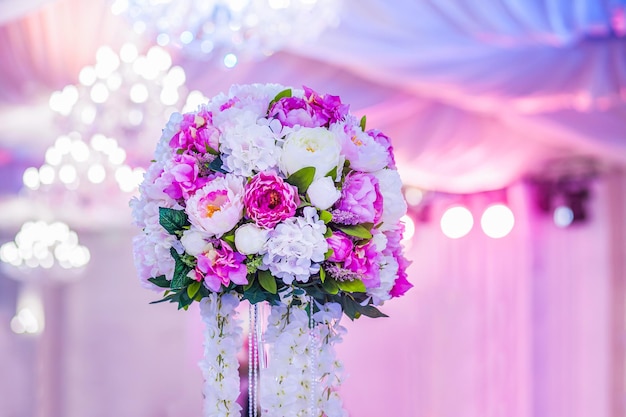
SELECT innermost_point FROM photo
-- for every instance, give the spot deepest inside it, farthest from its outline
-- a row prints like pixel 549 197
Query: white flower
pixel 248 147
pixel 195 241
pixel 310 147
pixel 296 247
pixel 394 206
pixel 323 193
pixel 250 238
pixel 219 365
pixel 218 206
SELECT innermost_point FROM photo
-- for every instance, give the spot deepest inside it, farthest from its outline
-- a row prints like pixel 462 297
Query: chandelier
pixel 40 246
pixel 230 30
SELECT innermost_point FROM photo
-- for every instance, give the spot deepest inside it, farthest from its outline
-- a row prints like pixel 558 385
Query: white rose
pixel 195 242
pixel 310 147
pixel 322 193
pixel 249 238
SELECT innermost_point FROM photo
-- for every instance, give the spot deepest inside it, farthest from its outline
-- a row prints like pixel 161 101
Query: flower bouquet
pixel 277 195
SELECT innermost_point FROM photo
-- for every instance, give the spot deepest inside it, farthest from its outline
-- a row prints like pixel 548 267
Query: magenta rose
pixel 292 111
pixel 361 198
pixel 221 265
pixel 327 109
pixel 364 261
pixel 269 200
pixel 341 245
pixel 196 133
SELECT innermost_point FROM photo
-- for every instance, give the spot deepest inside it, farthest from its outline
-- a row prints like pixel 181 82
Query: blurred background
pixel 508 120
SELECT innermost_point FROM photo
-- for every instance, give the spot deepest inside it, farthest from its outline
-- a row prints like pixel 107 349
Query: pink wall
pixel 520 327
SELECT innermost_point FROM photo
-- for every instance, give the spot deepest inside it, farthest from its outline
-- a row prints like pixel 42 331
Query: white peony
pixel 394 206
pixel 250 238
pixel 323 193
pixel 310 147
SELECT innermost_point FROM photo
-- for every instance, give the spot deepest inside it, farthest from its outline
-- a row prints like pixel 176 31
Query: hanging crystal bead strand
pixel 312 362
pixel 253 360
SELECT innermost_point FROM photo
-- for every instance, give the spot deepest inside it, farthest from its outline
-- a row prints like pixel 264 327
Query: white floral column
pixel 303 373
pixel 220 367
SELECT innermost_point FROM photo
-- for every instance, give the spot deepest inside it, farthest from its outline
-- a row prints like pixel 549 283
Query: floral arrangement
pixel 270 192
pixel 281 195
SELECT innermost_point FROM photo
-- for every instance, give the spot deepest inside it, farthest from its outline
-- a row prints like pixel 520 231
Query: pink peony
pixel 361 197
pixel 341 245
pixel 221 265
pixel 363 151
pixel 196 133
pixel 292 111
pixel 183 177
pixel 218 206
pixel 326 108
pixel 270 200
pixel 364 261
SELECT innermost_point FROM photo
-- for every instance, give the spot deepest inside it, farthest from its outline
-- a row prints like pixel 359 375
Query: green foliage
pixel 174 221
pixel 282 94
pixel 357 231
pixel 302 178
pixel 267 281
pixel 362 123
pixel 160 281
pixel 351 286
pixel 216 165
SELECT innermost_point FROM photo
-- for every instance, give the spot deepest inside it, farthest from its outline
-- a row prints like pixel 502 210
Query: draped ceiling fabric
pixel 473 98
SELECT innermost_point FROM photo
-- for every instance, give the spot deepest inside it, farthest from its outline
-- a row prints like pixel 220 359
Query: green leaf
pixel 329 253
pixel 350 307
pixel 362 123
pixel 351 286
pixel 164 299
pixel 251 281
pixel 325 216
pixel 330 286
pixel 256 294
pixel 180 278
pixel 323 274
pixel 160 281
pixel 370 311
pixel 332 173
pixel 193 289
pixel 173 220
pixel 216 165
pixel 282 94
pixel 211 150
pixel 267 281
pixel 357 231
pixel 184 301
pixel 302 178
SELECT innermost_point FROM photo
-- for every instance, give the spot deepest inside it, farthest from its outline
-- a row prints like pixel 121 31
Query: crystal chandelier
pixel 230 30
pixel 38 246
pixel 90 172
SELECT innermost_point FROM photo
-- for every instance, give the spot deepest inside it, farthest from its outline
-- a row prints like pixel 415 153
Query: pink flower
pixel 182 177
pixel 326 108
pixel 383 140
pixel 270 200
pixel 196 133
pixel 221 265
pixel 362 150
pixel 291 111
pixel 341 245
pixel 394 248
pixel 218 206
pixel 361 197
pixel 364 261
